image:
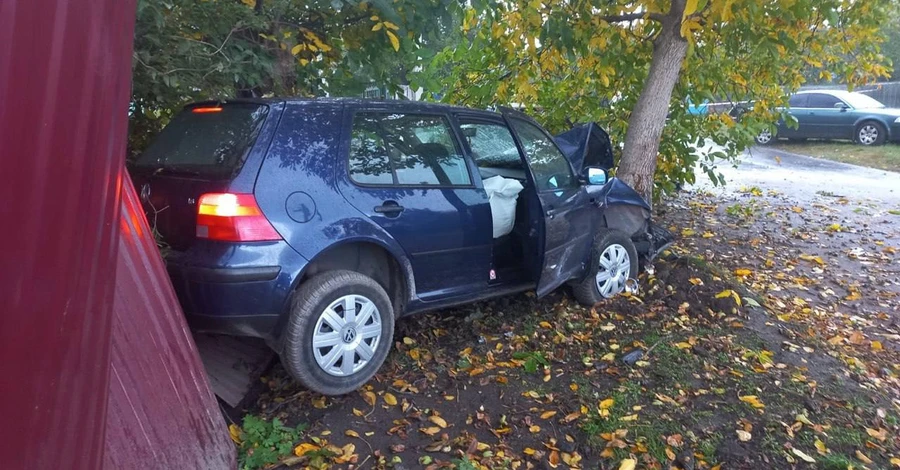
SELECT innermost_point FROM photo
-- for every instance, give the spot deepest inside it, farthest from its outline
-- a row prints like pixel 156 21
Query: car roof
pixel 835 93
pixel 406 104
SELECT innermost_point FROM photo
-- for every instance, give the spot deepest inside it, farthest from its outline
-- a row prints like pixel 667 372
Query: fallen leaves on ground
pixel 772 340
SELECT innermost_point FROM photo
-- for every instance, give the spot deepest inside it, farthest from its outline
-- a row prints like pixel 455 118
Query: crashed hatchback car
pixel 315 224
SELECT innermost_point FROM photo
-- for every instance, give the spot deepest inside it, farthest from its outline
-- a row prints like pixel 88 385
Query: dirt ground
pixel 768 337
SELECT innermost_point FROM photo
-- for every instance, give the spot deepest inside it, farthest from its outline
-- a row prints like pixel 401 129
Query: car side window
pixel 405 149
pixel 549 166
pixel 799 101
pixel 821 100
pixel 492 145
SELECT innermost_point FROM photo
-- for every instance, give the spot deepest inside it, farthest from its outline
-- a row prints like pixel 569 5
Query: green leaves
pixel 262 443
pixel 586 65
pixel 187 50
pixel 532 360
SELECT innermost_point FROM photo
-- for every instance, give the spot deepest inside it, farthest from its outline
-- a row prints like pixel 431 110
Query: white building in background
pixel 382 93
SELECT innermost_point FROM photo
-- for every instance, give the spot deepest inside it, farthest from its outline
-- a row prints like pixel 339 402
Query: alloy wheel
pixel 614 270
pixel 764 137
pixel 346 335
pixel 868 134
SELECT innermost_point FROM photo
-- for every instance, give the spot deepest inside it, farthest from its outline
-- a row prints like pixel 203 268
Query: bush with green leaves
pixel 265 442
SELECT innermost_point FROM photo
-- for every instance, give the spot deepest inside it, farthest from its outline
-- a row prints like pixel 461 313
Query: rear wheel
pixel 871 133
pixel 613 261
pixel 339 333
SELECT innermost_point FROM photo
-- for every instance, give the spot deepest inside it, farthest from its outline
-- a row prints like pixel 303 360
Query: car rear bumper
pixel 258 326
pixel 236 289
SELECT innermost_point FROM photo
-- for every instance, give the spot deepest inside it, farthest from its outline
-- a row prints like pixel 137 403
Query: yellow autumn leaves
pixel 340 455
pixel 388 28
pixel 753 401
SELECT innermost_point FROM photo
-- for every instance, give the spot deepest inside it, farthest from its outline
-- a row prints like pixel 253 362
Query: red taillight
pixel 232 217
pixel 209 109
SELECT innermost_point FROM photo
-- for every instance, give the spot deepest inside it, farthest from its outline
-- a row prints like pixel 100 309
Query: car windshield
pixel 859 100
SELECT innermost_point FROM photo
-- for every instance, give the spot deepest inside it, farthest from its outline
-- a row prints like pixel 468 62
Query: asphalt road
pixel 803 178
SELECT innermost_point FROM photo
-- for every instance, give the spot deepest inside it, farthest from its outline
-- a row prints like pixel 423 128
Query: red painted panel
pixel 65 75
pixel 161 414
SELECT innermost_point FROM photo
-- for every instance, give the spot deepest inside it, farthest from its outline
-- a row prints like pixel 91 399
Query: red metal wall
pixel 161 414
pixel 80 303
pixel 65 68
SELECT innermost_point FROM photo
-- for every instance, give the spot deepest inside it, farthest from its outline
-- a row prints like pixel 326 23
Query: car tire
pixel 614 259
pixel 765 137
pixel 349 352
pixel 870 133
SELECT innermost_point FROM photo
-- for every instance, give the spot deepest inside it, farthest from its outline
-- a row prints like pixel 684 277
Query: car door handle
pixel 389 208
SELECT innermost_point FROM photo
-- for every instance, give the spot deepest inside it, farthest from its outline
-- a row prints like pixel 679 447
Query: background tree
pixel 630 64
pixel 891 45
pixel 188 50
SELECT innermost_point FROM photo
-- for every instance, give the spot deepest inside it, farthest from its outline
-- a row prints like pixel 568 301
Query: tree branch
pixel 631 17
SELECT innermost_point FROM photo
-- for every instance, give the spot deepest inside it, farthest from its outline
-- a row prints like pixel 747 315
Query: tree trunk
pixel 648 118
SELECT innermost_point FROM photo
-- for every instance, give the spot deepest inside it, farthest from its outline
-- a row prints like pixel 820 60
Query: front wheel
pixel 614 260
pixel 764 137
pixel 871 133
pixel 339 333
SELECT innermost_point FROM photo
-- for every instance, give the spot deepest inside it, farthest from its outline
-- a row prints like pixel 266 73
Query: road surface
pixel 803 178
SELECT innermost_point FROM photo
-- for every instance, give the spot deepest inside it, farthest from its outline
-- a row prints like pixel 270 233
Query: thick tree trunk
pixel 648 118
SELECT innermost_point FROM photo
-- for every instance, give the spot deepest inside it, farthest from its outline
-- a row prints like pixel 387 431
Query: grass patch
pixel 835 462
pixel 709 446
pixel 884 157
pixel 846 437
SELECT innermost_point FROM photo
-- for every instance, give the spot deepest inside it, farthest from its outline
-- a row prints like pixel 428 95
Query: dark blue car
pixel 316 223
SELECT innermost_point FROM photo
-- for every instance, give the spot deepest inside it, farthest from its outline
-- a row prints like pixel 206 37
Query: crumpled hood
pixel 587 145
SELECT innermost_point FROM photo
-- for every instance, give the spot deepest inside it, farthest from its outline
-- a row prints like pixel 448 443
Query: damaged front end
pixel 627 211
pixel 588 145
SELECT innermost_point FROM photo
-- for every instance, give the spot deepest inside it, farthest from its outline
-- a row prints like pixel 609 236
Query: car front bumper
pixel 894 132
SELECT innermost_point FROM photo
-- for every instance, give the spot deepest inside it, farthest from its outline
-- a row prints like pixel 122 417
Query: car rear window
pixel 210 141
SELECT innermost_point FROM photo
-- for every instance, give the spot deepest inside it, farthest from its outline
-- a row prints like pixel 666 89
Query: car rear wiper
pixel 168 170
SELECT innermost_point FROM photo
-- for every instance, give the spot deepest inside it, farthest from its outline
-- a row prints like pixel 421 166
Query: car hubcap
pixel 764 137
pixel 346 335
pixel 868 135
pixel 614 270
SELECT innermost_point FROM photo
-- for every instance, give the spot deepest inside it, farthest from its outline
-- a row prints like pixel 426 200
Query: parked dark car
pixel 836 114
pixel 315 223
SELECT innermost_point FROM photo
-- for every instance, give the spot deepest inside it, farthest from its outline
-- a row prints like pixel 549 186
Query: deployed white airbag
pixel 502 193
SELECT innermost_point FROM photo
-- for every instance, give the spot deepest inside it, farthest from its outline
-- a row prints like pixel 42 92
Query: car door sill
pixel 418 306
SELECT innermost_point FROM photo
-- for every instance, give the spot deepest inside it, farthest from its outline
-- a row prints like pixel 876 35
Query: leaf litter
pixel 771 343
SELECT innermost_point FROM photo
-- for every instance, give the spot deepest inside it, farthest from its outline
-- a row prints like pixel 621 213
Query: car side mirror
pixel 595 175
pixel 842 106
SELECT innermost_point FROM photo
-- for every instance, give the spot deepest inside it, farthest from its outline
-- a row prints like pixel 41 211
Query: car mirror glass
pixel 595 175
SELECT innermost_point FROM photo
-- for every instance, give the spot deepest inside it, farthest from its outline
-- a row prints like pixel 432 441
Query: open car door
pixel 566 235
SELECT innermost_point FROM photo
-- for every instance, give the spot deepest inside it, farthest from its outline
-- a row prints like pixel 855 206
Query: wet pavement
pixel 805 178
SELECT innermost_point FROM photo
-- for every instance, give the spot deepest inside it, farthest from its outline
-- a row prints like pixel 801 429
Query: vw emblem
pixel 349 334
pixel 145 192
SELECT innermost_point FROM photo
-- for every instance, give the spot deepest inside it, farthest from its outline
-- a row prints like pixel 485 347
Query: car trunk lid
pixel 201 151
